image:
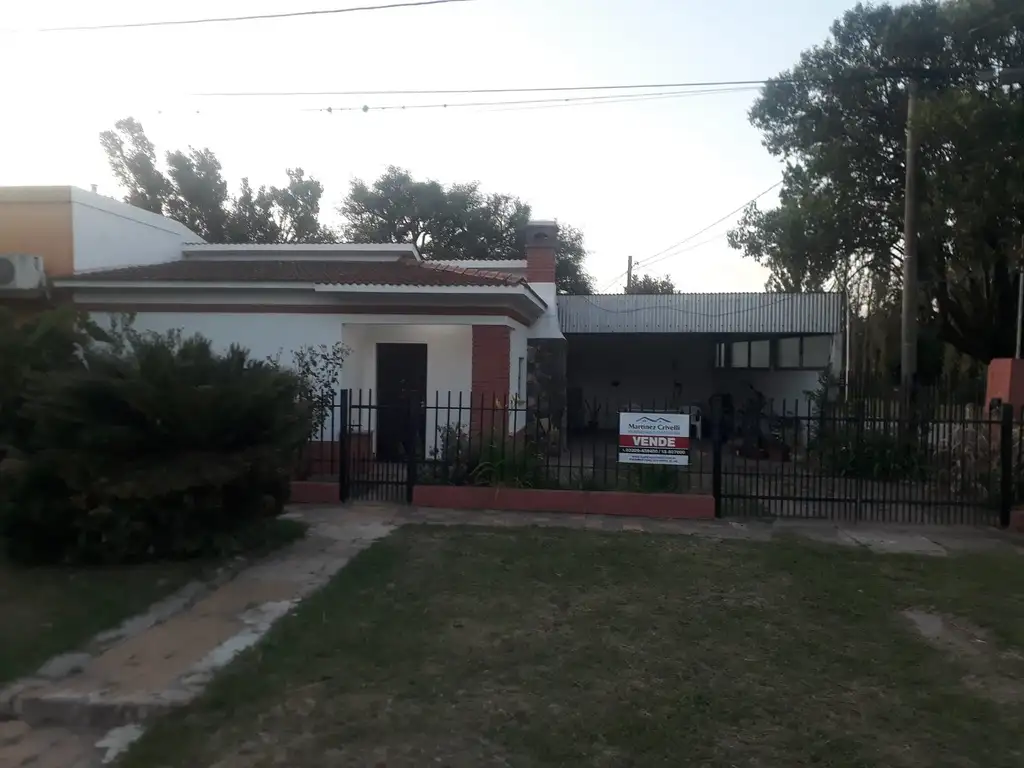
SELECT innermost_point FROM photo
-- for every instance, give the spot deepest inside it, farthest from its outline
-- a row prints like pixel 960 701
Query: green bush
pixel 488 459
pixel 848 450
pixel 41 343
pixel 165 450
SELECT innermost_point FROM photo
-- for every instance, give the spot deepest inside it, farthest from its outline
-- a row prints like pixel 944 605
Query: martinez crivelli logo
pixel 647 424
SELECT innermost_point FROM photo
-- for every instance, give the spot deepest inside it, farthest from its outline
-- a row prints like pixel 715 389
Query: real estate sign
pixel 654 438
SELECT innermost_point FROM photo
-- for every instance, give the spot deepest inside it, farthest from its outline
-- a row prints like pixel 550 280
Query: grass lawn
pixel 459 647
pixel 47 611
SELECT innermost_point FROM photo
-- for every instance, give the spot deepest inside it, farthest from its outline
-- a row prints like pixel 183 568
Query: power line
pixel 255 17
pixel 664 254
pixel 637 97
pixel 522 102
pixel 506 105
pixel 481 91
pixel 857 74
pixel 689 248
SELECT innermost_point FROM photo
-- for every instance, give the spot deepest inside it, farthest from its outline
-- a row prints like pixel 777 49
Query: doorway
pixel 401 400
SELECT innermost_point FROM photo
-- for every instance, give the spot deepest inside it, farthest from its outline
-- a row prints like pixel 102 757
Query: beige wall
pixel 42 228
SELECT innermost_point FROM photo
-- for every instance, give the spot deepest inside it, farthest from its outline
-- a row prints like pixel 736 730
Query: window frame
pixel 802 354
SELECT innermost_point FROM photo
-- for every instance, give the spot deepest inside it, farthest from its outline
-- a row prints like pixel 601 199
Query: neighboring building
pixel 683 349
pixel 490 329
pixel 76 231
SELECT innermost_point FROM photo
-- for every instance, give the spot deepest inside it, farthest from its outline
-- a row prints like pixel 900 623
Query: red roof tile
pixel 327 271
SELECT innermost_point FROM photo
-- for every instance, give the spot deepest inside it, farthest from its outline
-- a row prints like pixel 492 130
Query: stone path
pixel 82 709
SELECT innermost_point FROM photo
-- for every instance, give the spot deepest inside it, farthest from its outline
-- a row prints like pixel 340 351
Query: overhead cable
pixel 253 17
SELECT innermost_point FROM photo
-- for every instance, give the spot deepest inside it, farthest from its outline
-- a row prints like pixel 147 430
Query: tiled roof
pixel 329 271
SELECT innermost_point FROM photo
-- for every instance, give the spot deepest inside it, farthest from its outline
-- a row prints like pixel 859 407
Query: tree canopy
pixel 193 191
pixel 645 284
pixel 838 119
pixel 454 222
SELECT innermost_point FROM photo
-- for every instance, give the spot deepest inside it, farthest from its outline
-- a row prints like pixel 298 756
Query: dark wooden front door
pixel 401 400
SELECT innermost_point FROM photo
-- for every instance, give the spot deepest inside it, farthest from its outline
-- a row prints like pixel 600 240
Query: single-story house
pixel 427 330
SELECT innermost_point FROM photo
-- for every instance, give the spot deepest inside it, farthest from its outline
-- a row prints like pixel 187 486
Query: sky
pixel 636 177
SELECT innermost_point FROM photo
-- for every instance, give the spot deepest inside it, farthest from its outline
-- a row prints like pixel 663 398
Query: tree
pixel 838 119
pixel 454 222
pixel 132 158
pixel 645 284
pixel 194 192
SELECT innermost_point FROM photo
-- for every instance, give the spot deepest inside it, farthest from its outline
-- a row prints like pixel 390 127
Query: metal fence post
pixel 1005 464
pixel 412 449
pixel 343 440
pixel 716 459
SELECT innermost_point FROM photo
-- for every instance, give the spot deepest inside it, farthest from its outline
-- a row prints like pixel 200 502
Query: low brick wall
pixel 324 457
pixel 314 492
pixel 671 506
pixel 1017 520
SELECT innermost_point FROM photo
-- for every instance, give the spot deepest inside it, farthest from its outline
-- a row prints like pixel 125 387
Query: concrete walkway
pixel 82 709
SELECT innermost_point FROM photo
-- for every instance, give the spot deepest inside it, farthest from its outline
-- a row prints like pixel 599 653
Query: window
pixel 761 354
pixel 793 352
pixel 787 353
pixel 744 354
pixel 817 351
pixel 740 354
pixel 521 378
pixel 803 352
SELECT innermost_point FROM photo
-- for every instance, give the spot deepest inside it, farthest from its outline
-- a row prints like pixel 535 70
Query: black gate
pixel 381 446
pixel 894 462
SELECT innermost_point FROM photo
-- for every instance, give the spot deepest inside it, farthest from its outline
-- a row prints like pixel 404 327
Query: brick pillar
pixel 491 383
pixel 541 240
pixel 1006 384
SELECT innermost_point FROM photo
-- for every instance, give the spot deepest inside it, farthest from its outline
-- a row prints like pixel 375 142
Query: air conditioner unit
pixel 21 273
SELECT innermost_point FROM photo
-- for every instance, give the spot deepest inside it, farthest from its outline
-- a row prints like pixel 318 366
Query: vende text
pixel 653 441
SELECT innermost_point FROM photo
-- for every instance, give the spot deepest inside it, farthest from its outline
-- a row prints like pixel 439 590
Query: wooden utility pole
pixel 629 273
pixel 908 318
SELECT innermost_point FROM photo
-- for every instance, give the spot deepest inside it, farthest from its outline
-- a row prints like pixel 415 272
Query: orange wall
pixel 41 228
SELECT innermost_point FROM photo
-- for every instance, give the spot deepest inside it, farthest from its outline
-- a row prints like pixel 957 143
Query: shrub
pixel 971 462
pixel 846 449
pixel 46 342
pixel 166 450
pixel 490 459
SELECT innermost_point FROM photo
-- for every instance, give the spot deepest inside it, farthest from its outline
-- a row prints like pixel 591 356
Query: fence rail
pixel 867 459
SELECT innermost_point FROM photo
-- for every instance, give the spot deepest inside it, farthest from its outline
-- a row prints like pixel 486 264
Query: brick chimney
pixel 541 240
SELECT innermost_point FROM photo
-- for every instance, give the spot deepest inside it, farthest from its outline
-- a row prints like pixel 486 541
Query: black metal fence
pixel 880 459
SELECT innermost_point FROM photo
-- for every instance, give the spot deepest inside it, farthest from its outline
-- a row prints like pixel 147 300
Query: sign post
pixel 654 438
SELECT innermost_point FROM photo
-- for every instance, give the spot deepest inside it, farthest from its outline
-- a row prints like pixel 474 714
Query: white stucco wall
pixel 108 233
pixel 546 326
pixel 264 335
pixel 517 354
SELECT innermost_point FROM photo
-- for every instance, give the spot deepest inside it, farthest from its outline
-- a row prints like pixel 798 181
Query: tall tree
pixel 454 222
pixel 132 158
pixel 646 284
pixel 194 192
pixel 838 118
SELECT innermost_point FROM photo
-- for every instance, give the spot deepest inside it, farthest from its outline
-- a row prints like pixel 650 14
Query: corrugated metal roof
pixel 752 313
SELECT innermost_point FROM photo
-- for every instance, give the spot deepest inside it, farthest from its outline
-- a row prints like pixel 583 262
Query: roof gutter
pixel 521 289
